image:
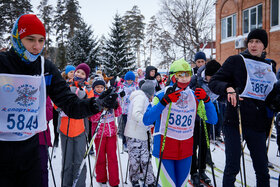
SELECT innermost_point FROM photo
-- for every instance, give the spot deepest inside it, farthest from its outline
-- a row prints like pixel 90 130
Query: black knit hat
pixel 212 67
pixel 258 34
pixel 98 81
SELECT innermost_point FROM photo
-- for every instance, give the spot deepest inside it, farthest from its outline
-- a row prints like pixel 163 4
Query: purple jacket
pixel 49 115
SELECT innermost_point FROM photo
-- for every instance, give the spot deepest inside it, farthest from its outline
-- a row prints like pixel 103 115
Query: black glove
pixel 109 101
pixel 170 95
pixel 122 93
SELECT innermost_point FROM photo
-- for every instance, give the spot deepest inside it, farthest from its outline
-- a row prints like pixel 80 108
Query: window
pixel 252 18
pixel 228 27
pixel 274 13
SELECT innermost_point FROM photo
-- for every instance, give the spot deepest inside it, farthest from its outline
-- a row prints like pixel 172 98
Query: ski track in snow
pixel 217 153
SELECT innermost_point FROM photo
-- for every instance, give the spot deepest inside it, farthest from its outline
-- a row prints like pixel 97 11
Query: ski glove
pixel 107 99
pixel 202 95
pixel 170 96
pixel 122 93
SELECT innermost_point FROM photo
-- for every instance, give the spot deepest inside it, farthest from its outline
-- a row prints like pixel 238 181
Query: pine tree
pixel 134 25
pixel 10 11
pixel 60 32
pixel 72 16
pixel 83 47
pixel 45 13
pixel 119 59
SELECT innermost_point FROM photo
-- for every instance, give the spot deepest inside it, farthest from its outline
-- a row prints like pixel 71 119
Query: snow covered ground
pixel 218 157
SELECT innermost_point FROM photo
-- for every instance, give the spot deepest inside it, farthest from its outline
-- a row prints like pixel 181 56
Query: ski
pixel 200 185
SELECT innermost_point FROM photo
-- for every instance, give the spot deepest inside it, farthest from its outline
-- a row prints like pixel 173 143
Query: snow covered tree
pixel 60 33
pixel 83 47
pixel 134 26
pixel 45 13
pixel 72 16
pixel 119 59
pixel 9 12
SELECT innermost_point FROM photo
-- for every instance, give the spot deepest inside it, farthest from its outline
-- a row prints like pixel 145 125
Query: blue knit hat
pixel 129 76
pixel 69 68
pixel 199 55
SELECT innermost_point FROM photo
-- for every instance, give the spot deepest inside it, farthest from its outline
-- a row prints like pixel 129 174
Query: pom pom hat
pixel 98 81
pixel 84 67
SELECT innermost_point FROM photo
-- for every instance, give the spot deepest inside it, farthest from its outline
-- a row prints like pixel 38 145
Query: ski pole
pixel 118 149
pixel 199 149
pixel 104 112
pixel 204 118
pixel 126 170
pixel 241 136
pixel 149 149
pixel 100 142
pixel 270 132
pixel 163 143
pixel 46 145
pixel 91 183
pixel 63 168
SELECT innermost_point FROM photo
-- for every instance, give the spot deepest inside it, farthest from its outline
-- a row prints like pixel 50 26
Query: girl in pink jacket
pixel 107 136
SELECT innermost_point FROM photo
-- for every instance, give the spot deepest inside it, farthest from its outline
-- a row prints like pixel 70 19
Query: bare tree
pixel 188 23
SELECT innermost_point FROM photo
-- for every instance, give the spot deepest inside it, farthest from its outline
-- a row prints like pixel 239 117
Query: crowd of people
pixel 171 117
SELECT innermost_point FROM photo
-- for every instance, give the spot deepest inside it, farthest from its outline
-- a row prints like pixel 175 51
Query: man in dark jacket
pixel 252 76
pixel 26 79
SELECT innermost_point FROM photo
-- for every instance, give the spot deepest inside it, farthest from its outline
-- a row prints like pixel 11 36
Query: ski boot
pixel 205 179
pixel 195 180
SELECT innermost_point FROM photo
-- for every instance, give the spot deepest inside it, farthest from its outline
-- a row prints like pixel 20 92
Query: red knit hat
pixel 29 24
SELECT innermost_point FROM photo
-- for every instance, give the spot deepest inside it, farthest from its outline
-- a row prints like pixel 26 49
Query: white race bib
pixel 182 117
pixel 22 106
pixel 260 79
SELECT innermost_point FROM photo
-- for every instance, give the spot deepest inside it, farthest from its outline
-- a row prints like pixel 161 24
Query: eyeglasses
pixel 183 74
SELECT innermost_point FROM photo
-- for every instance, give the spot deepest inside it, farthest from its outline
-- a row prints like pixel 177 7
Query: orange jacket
pixel 76 126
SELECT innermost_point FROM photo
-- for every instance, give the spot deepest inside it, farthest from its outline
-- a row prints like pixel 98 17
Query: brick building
pixel 236 18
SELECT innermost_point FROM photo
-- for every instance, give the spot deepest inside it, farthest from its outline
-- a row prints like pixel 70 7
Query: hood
pixel 148 69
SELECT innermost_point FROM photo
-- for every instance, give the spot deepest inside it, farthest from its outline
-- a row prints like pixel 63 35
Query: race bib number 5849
pixel 20 122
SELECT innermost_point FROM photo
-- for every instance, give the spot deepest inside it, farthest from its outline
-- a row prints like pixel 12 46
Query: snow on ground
pixel 218 157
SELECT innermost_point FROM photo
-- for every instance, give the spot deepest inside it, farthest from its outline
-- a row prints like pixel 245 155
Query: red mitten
pixel 201 94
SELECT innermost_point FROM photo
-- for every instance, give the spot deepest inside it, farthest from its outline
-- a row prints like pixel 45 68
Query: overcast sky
pixel 100 13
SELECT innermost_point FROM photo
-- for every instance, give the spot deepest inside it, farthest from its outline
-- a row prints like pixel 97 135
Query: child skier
pixel 136 134
pixel 73 131
pixel 174 111
pixel 125 90
pixel 106 135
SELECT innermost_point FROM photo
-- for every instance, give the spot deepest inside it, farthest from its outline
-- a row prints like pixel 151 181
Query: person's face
pixel 80 73
pixel 152 73
pixel 200 62
pixel 33 43
pixel 129 82
pixel 158 78
pixel 183 77
pixel 255 47
pixel 71 74
pixel 140 72
pixel 99 88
